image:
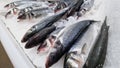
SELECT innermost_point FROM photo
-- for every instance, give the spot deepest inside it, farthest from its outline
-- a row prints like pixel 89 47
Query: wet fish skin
pixel 97 56
pixel 65 41
pixel 44 23
pixel 39 37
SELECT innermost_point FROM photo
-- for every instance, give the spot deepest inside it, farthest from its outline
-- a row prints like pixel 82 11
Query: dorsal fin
pixel 83 51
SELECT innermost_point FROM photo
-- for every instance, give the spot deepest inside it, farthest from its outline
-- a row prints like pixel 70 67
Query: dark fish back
pixel 97 55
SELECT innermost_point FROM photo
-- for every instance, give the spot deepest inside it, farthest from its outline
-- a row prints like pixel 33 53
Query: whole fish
pixel 39 37
pixel 65 40
pixel 76 7
pixel 97 55
pixel 34 12
pixel 17 3
pixel 44 23
pixel 77 55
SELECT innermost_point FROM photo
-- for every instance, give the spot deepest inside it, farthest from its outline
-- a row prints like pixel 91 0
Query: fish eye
pixel 58 42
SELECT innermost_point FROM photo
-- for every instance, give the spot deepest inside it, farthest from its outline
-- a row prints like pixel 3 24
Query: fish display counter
pixel 12 31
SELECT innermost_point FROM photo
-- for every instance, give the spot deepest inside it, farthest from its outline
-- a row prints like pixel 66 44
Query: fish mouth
pixel 24 40
pixel 6 6
pixel 42 46
pixel 48 63
pixel 29 46
pixel 22 16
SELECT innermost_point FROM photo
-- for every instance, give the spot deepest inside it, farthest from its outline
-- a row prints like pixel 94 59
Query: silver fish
pixel 97 55
pixel 33 12
pixel 77 55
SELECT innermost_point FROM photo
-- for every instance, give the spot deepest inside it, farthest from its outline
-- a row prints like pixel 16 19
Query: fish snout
pixel 22 16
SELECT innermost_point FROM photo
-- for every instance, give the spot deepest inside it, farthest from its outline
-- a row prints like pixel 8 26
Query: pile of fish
pixel 74 40
pixel 28 9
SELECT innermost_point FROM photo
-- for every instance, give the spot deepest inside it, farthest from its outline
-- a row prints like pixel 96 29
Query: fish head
pixel 60 6
pixel 55 54
pixel 29 33
pixel 73 60
pixel 8 13
pixel 10 5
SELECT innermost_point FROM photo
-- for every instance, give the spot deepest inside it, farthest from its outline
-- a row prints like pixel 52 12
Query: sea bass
pixel 77 55
pixel 97 55
pixel 65 40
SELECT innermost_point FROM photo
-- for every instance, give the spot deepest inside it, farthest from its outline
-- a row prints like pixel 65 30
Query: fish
pixel 76 57
pixel 46 22
pixel 85 7
pixel 48 43
pixel 18 9
pixel 65 40
pixel 39 37
pixel 37 12
pixel 63 3
pixel 79 53
pixel 97 55
pixel 76 7
pixel 17 3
